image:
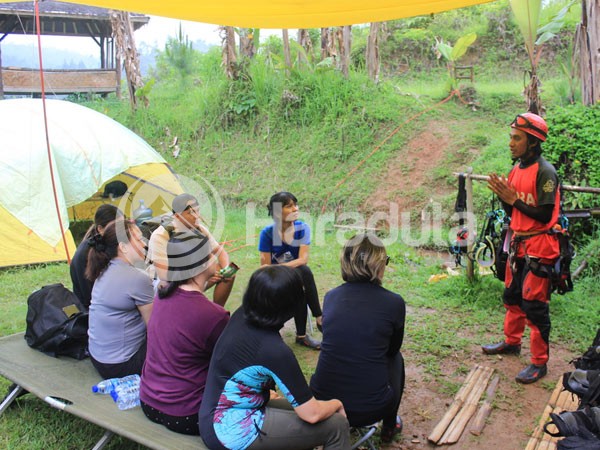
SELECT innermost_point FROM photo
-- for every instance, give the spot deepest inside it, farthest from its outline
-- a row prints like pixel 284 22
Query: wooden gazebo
pixel 63 19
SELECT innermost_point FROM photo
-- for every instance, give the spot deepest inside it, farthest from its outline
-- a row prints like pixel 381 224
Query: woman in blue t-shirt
pixel 286 242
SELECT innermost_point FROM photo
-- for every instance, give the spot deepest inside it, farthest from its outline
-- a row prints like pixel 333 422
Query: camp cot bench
pixel 65 384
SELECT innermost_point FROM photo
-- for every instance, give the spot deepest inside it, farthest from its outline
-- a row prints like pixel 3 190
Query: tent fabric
pixel 284 13
pixel 21 246
pixel 88 150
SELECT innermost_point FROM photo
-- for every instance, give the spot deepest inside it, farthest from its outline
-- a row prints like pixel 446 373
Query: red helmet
pixel 531 124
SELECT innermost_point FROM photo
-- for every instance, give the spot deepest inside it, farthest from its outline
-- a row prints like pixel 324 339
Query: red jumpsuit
pixel 526 295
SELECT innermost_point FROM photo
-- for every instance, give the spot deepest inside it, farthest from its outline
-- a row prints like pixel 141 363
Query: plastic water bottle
pixel 126 397
pixel 109 385
pixel 142 213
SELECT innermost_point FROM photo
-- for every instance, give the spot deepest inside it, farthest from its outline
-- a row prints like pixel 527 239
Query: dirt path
pixel 410 180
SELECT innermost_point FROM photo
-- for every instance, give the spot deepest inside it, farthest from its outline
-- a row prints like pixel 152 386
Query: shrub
pixel 572 145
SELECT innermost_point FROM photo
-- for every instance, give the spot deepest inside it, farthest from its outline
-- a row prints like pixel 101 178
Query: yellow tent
pixel 283 13
pixel 88 150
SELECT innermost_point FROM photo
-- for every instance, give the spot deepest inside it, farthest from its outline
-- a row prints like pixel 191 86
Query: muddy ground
pixel 517 408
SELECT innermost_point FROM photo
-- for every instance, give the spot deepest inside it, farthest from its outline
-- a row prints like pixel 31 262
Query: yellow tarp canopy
pixel 283 13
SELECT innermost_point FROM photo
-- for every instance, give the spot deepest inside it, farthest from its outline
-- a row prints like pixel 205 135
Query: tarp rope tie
pixel 389 136
pixel 62 229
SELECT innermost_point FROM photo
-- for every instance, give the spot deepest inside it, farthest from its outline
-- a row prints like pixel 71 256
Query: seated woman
pixel 249 360
pixel 286 242
pixel 82 287
pixel 121 300
pixel 182 334
pixel 363 328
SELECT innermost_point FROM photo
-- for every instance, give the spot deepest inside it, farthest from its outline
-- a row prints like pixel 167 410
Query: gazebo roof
pixel 60 19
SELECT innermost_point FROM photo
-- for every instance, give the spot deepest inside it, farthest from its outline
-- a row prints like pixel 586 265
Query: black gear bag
pixel 57 322
pixel 590 360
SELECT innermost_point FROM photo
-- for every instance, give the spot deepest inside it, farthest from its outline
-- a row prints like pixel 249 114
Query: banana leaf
pixel 461 46
pixel 527 16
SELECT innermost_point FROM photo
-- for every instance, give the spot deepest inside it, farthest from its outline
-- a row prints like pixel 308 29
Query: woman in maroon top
pixel 182 334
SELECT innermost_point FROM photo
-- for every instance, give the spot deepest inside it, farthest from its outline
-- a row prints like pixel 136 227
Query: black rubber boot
pixel 501 348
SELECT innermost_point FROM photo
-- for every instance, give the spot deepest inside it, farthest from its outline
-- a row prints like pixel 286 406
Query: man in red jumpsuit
pixel 531 197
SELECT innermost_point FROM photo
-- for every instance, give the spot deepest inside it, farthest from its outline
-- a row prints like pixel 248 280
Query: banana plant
pixel 453 53
pixel 527 15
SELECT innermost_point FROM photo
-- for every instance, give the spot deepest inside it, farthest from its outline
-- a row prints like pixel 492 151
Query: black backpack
pixel 57 322
pixel 590 360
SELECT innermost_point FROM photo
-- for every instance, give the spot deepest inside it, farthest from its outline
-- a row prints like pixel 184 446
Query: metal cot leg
pixel 10 397
pixel 103 440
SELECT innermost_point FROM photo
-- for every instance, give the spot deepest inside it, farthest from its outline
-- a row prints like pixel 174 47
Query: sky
pixel 159 28
pixel 154 33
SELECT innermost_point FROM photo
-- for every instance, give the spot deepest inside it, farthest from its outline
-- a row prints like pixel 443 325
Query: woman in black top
pixel 368 375
pixel 82 287
pixel 249 360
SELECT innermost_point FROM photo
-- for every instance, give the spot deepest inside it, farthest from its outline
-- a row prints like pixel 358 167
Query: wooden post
pixel 485 409
pixel 456 428
pixel 102 53
pixel 470 225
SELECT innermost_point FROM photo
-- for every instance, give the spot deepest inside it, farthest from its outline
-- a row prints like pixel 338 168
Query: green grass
pixel 308 148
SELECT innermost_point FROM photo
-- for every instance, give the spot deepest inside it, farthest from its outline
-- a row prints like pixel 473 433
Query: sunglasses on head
pixel 191 208
pixel 523 122
pixel 362 256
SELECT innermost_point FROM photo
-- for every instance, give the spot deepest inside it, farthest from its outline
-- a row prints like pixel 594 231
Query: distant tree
pixel 286 49
pixel 247 41
pixel 327 43
pixel 305 43
pixel 229 57
pixel 179 53
pixel 127 52
pixel 372 52
pixel 344 35
pixel 588 38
